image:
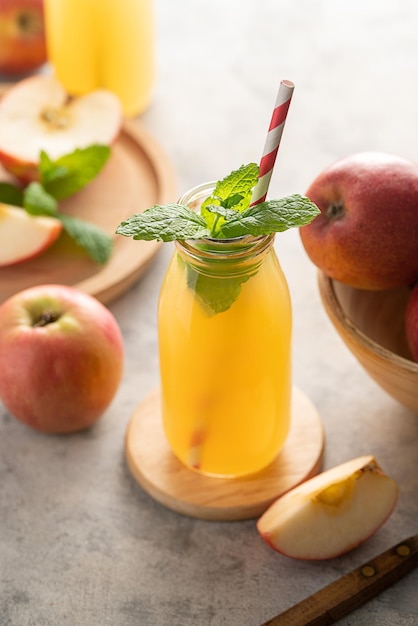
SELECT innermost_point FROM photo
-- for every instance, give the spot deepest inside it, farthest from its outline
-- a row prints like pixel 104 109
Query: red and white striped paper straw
pixel 274 136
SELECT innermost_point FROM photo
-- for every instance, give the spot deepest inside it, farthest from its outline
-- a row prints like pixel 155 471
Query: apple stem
pixel 45 318
pixel 335 211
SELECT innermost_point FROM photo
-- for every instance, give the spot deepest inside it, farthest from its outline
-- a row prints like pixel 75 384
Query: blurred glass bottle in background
pixel 105 44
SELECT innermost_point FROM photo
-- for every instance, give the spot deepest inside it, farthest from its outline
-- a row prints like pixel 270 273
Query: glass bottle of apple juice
pixel 225 352
pixel 106 44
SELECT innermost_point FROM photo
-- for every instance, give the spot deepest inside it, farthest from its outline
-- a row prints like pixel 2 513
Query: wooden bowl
pixel 371 324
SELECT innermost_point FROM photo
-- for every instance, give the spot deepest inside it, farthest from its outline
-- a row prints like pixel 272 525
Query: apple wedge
pixel 24 236
pixel 331 513
pixel 38 114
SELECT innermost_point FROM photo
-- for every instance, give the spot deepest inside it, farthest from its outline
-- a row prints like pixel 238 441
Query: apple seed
pixel 55 119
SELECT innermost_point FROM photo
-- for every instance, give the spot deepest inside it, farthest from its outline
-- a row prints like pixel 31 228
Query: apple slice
pixel 24 236
pixel 331 513
pixel 37 114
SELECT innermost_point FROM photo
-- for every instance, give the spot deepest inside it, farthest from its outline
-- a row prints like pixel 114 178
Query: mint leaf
pixel 95 242
pixel 165 223
pixel 71 172
pixel 269 217
pixel 238 183
pixel 223 211
pixel 37 201
pixel 48 170
pixel 10 194
pixel 233 191
pixel 215 294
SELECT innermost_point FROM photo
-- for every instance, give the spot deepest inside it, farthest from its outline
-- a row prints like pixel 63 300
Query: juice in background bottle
pixel 226 377
pixel 103 44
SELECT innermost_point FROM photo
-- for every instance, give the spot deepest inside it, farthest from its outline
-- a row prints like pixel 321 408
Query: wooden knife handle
pixel 331 603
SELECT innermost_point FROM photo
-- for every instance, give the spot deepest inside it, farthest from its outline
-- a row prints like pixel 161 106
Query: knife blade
pixel 344 595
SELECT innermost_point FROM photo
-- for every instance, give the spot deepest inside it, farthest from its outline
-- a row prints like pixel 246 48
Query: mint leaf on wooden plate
pixel 68 174
pixel 94 241
pixel 10 194
pixel 37 201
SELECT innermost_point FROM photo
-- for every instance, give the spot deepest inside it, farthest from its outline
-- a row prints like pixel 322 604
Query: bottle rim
pixel 209 246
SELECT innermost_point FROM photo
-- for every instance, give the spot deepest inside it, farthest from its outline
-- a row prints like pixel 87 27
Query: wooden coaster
pixel 171 483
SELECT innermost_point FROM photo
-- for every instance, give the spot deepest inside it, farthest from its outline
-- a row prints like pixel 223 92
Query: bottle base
pixel 169 482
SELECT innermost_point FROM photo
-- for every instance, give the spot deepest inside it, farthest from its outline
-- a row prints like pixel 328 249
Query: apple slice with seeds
pixel 37 114
pixel 331 513
pixel 24 236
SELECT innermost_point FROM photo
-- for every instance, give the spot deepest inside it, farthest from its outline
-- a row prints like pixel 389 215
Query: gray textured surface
pixel 80 543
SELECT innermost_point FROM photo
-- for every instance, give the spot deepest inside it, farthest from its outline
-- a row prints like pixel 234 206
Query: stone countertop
pixel 81 544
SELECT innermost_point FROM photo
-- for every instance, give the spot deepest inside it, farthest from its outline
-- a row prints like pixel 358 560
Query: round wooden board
pixel 137 175
pixel 168 481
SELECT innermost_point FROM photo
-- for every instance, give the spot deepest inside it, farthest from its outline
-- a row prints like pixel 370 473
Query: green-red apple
pixel 22 36
pixel 61 358
pixel 367 232
pixel 411 322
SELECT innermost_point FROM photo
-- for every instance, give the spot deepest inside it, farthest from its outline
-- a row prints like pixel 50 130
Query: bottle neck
pixel 226 257
pixel 221 256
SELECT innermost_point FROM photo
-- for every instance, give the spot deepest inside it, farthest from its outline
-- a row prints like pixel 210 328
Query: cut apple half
pixel 331 513
pixel 23 236
pixel 38 114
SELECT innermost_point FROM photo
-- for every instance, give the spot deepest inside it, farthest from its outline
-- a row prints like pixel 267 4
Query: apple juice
pixel 225 353
pixel 105 44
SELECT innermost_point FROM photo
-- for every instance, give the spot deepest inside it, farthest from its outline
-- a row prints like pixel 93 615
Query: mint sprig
pixel 226 214
pixel 59 179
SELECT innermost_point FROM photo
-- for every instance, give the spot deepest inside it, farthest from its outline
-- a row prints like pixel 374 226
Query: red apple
pixel 37 114
pixel 367 232
pixel 411 322
pixel 22 36
pixel 332 513
pixel 24 236
pixel 61 358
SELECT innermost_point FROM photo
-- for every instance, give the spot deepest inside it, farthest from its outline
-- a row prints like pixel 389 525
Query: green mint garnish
pixel 226 214
pixel 59 179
